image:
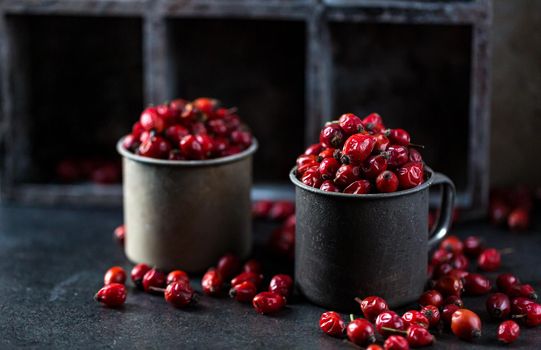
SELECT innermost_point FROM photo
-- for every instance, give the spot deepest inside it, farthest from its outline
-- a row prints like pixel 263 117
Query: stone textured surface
pixel 52 262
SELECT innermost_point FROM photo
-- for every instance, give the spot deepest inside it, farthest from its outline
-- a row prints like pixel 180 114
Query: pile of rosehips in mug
pixel 360 156
pixel 182 130
pixel 246 282
pixel 441 306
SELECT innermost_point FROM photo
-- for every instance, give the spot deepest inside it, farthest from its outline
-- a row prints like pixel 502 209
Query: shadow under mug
pixel 351 246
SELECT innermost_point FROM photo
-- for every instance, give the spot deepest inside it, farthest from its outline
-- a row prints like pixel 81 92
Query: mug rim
pixel 429 173
pixel 187 163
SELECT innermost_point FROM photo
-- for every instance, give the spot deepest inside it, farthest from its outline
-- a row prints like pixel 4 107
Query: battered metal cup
pixel 351 246
pixel 186 214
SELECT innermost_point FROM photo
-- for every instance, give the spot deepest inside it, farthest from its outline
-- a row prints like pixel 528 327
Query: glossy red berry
pixel 453 299
pixel 431 297
pixel 473 246
pixel 346 174
pixel 115 274
pixel 177 105
pixel 206 105
pixel 460 262
pixel 331 323
pixel 328 153
pixel 414 317
pixel 151 120
pixel 175 133
pixel 212 282
pixel 153 280
pixel 387 182
pixel 243 292
pixel 498 306
pixel 350 124
pixel 506 281
pixel 329 186
pixel 331 136
pixel 196 147
pixel 522 290
pixel 518 305
pixel 218 127
pixel 361 332
pixel 414 155
pixel 441 256
pixel 465 324
pixel 452 244
pixel 228 266
pixel 432 313
pixel 328 168
pixel 489 260
pixel 374 166
pixel 179 294
pixel 137 130
pixel 120 234
pixel 253 266
pixel 305 162
pixel 399 137
pixel 137 274
pixel 359 187
pixel 390 320
pixel 357 148
pixel 314 149
pixel 374 122
pixel 476 284
pixel 397 155
pixel 372 306
pixel 418 336
pixel 447 312
pixel 447 286
pixel 130 142
pixel 519 219
pixel 155 147
pixel 255 278
pixel 382 142
pixel 112 295
pixel 177 275
pixel 241 138
pixel 442 270
pixel 396 342
pixel 312 177
pixel 410 175
pixel 268 302
pixel 281 284
pixel 374 347
pixel 532 316
pixel 460 274
pixel 282 210
pixel 508 331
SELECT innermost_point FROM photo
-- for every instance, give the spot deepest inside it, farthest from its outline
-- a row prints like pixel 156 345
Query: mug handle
pixel 445 216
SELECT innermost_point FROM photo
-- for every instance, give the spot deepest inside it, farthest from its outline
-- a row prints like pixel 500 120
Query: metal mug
pixel 186 214
pixel 351 246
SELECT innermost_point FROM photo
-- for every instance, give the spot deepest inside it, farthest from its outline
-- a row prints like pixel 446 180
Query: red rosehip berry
pixel 217 127
pixel 506 281
pixel 151 120
pixel 314 149
pixel 228 266
pixel 418 336
pixel 447 312
pixel 489 260
pixel 414 317
pixel 177 105
pixel 397 155
pixel 476 284
pixel 382 142
pixel 175 133
pixel 508 331
pixel 387 182
pixel 304 159
pixel 196 147
pixel 431 297
pixel 255 278
pixel 460 262
pixel 130 142
pixel 453 299
pixel 179 294
pixel 374 347
pixel 357 148
pixel 282 210
pixel 374 166
pixel 312 177
pixel 115 274
pixel 432 313
pixel 153 281
pixel 328 168
pixel 498 306
pixel 361 332
pixel 253 266
pixel 206 105
pixel 414 155
pixel 388 320
pixel 447 286
pixel 112 295
pixel 441 256
pixel 532 316
pixel 396 342
pixel 465 324
pixel 331 323
pixel 176 276
pixel 331 136
pixel 399 137
pixel 372 306
pixel 518 305
pixel 519 219
pixel 137 129
pixel 119 234
pixel 442 270
pixel 473 246
pixel 452 244
pixel 155 147
pixel 329 186
pixel 268 302
pixel 359 187
pixel 167 113
pixel 346 174
pixel 243 292
pixel 212 282
pixel 328 153
pixel 281 284
pixel 137 274
pixel 522 290
pixel 459 274
pixel 350 124
pixel 373 122
pixel 410 175
pixel 241 138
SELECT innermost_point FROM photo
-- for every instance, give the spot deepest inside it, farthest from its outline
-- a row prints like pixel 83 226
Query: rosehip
pixel 268 302
pixel 432 313
pixel 130 142
pixel 328 168
pixel 498 306
pixel 489 260
pixel 418 336
pixel 206 105
pixel 387 182
pixel 175 133
pixel 361 332
pixel 396 342
pixel 414 317
pixel 414 155
pixel 431 297
pixel 179 294
pixel 137 274
pixel 506 281
pixel 177 105
pixel 282 210
pixel 115 274
pixel 346 174
pixel 359 187
pixel 372 306
pixel 331 136
pixel 241 138
pixel 281 284
pixel 137 129
pixel 465 324
pixel 473 246
pixel 381 143
pixel 447 312
pixel 452 244
pixel 374 166
pixel 217 127
pixel 328 153
pixel 176 276
pixel 373 122
pixel 460 262
pixel 332 324
pixel 212 282
pixel 261 209
pixel 476 284
pixel 155 147
pixel 508 331
pixel 522 290
pixel 228 265
pixel 519 219
pixel 388 319
pixel 150 119
pixel 410 175
pixel 329 186
pixel 397 155
pixel 253 266
pixel 441 256
pixel 243 292
pixel 314 149
pixel 312 177
pixel 447 285
pixel 399 137
pixel 350 124
pixel 442 270
pixel 255 278
pixel 532 317
pixel 120 234
pixel 455 300
pixel 518 305
pixel 357 148
pixel 112 295
pixel 498 212
pixel 152 280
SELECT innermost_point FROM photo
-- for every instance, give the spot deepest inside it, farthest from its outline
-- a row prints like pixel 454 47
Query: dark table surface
pixel 52 262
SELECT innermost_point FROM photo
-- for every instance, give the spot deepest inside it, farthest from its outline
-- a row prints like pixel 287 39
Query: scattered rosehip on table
pixel 112 295
pixel 332 324
pixel 268 303
pixel 115 274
